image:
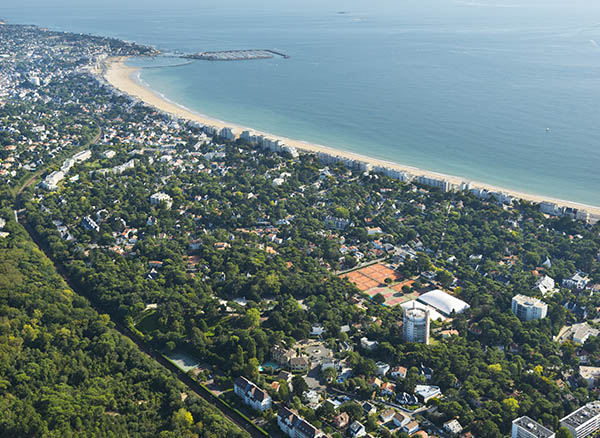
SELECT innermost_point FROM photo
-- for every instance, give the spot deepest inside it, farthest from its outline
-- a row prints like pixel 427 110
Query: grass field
pixel 148 323
pixel 392 297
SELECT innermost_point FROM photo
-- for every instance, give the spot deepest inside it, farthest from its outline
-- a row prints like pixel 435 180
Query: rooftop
pixel 443 302
pixel 524 300
pixel 582 415
pixel 533 427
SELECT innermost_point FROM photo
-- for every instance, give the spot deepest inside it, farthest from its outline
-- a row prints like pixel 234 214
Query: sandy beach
pixel 123 77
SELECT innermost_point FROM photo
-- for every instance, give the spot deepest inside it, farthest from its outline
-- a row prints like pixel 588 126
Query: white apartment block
pixel 525 427
pixel 160 198
pixel 528 308
pixel 584 421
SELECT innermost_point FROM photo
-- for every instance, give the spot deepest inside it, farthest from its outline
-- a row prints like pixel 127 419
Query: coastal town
pixel 313 293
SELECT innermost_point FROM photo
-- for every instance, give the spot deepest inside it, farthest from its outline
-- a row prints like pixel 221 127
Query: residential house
pixel 382 368
pixel 545 285
pixel 452 426
pixel 427 392
pixel 407 399
pixel 299 364
pixel 281 355
pixel 317 331
pixel 398 372
pixel 367 344
pixel 387 415
pixel 369 408
pixel 590 374
pixel 375 382
pixel 400 419
pixel 294 426
pixel 426 372
pixel 411 427
pixel 252 395
pixel 285 375
pixel 312 398
pixel 88 224
pixel 340 421
pixel 447 333
pixel 388 388
pixel 578 281
pixel 357 429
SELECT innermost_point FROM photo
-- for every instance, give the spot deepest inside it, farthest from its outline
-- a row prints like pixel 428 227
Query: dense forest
pixel 66 372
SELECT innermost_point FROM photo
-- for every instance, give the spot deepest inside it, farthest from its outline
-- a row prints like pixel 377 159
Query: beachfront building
pixel 227 134
pixel 550 208
pixel 294 426
pixel 584 421
pixel 210 130
pixel 528 308
pixel 415 325
pixel 393 173
pixel 348 162
pixel 525 427
pixel 290 150
pixel 249 137
pixel 440 183
pixel 252 395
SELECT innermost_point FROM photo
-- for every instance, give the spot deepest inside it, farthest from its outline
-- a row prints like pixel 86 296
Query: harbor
pixel 237 55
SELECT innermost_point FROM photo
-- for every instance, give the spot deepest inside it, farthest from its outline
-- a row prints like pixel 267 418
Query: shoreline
pixel 121 77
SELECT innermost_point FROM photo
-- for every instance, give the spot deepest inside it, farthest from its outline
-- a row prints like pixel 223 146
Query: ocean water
pixel 505 92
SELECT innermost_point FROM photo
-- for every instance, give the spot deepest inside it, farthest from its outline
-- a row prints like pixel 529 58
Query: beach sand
pixel 123 77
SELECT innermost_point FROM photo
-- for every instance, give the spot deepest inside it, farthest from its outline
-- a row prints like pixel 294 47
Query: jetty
pixel 237 55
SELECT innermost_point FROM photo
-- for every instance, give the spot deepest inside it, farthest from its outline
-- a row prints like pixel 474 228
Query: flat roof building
pixel 415 325
pixel 528 308
pixel 525 427
pixel 584 421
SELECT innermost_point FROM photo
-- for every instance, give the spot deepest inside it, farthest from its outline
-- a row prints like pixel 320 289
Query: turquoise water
pixel 464 88
pixel 266 365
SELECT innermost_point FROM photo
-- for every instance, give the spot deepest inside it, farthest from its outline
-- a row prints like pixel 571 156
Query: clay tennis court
pixel 371 276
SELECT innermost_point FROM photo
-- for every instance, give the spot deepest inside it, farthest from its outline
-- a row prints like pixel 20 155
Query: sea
pixel 505 92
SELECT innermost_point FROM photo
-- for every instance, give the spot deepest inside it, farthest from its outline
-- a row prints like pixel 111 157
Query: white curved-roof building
pixel 443 302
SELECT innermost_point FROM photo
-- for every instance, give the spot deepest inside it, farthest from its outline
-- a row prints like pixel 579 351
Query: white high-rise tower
pixel 415 326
